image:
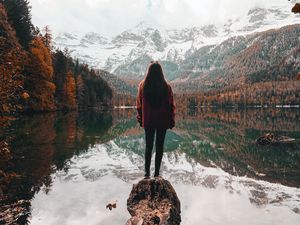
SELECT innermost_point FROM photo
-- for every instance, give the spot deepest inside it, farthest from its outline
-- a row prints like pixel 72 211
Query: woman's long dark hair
pixel 155 87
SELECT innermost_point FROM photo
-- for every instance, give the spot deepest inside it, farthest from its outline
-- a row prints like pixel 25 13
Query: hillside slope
pixel 265 56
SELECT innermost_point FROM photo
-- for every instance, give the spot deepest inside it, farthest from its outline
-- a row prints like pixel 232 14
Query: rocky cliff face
pixel 153 202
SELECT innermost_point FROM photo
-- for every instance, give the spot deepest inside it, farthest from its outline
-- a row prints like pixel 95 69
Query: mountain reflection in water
pixel 71 165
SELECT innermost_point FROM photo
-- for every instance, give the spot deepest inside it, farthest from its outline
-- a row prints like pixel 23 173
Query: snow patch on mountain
pixel 128 53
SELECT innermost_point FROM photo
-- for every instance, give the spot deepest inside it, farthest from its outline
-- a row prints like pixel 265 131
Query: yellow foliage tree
pixel 70 90
pixel 39 79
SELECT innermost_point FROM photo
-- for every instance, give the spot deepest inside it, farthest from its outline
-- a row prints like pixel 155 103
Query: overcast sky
pixel 111 17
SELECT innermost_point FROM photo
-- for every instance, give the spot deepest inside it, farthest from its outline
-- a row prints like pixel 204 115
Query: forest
pixel 35 77
pixel 263 94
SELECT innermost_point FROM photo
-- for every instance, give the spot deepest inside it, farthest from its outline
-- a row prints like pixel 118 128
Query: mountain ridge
pixel 190 54
pixel 108 53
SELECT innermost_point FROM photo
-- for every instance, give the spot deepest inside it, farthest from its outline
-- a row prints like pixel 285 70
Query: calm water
pixel 70 165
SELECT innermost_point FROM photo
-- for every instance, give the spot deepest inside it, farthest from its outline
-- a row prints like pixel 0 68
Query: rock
pixel 296 8
pixel 272 139
pixel 153 202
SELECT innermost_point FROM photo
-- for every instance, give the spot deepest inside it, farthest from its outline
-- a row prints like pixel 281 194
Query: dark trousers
pixel 159 147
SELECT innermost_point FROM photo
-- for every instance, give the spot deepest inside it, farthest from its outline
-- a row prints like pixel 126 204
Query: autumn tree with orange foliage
pixel 70 90
pixel 39 77
pixel 12 58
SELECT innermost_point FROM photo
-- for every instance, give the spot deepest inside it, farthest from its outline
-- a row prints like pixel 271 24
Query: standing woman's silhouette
pixel 156 113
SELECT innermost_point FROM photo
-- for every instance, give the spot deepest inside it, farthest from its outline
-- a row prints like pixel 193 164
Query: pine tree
pixel 47 37
pixel 80 87
pixel 65 81
pixel 60 65
pixel 18 12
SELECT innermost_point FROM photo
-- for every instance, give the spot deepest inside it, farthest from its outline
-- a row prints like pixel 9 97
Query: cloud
pixel 113 16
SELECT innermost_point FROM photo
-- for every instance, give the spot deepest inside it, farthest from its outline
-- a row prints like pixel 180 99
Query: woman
pixel 156 113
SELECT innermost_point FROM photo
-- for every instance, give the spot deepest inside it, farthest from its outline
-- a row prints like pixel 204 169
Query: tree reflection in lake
pixel 111 144
pixel 42 144
pixel 227 139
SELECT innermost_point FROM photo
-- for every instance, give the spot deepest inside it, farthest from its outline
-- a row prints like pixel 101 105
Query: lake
pixel 68 166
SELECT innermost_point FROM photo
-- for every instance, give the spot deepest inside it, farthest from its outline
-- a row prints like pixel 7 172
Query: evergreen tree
pixel 81 92
pixel 65 81
pixel 18 12
pixel 77 85
pixel 60 65
pixel 47 37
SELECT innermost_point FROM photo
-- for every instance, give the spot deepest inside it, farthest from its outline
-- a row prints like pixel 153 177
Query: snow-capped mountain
pixel 129 53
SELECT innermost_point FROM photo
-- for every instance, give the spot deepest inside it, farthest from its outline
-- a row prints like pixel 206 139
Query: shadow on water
pixel 42 144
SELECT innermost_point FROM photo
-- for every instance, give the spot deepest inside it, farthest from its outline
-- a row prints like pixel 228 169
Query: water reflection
pixel 89 158
pixel 227 139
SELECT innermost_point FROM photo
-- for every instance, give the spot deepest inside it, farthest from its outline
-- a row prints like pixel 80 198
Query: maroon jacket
pixel 161 118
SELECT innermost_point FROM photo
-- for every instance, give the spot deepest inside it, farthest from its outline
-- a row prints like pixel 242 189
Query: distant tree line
pixel 271 94
pixel 33 76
